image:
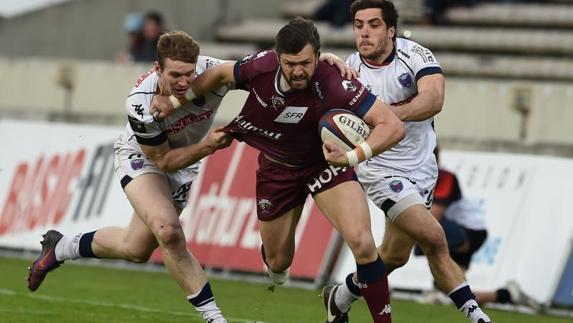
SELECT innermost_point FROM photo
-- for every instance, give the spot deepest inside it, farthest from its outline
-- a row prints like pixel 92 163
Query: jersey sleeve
pixel 251 65
pixel 349 94
pixel 447 189
pixel 147 131
pixel 204 63
pixel 423 62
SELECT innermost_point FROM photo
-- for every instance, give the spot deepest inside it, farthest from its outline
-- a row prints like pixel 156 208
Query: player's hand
pixel 334 155
pixel 345 71
pixel 161 107
pixel 218 139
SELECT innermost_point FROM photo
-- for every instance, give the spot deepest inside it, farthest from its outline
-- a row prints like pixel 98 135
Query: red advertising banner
pixel 221 225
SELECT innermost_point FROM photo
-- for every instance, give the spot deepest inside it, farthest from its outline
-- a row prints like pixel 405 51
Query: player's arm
pixel 427 103
pixel 210 80
pixel 387 131
pixel 171 159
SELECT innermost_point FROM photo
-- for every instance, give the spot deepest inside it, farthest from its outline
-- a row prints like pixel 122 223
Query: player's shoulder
pixel 261 62
pixel 354 60
pixel 409 50
pixel 145 84
pixel 206 62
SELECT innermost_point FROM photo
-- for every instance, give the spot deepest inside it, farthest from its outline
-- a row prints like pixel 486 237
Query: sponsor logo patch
pixel 264 205
pixel 136 125
pixel 277 101
pixel 348 86
pixel 396 186
pixel 136 164
pixel 405 80
pixel 291 115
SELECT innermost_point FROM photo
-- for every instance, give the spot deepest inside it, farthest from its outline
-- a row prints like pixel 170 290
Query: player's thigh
pixel 417 222
pixel 396 244
pixel 150 197
pixel 278 234
pixel 345 206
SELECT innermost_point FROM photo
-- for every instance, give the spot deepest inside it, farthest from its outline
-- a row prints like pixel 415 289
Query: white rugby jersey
pixel 395 83
pixel 187 125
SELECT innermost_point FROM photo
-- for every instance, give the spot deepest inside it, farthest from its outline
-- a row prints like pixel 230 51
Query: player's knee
pixel 278 262
pixel 362 246
pixel 434 242
pixel 168 233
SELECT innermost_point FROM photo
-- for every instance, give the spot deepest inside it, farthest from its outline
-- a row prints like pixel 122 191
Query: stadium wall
pixel 524 112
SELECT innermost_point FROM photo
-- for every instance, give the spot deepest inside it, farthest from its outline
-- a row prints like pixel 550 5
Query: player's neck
pixel 384 59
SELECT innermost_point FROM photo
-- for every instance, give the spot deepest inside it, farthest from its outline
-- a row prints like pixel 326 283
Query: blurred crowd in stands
pixel 143 31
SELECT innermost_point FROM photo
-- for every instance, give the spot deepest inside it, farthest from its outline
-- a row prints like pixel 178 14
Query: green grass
pixel 79 293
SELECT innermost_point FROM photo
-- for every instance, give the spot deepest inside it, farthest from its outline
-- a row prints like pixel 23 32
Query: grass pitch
pixel 80 293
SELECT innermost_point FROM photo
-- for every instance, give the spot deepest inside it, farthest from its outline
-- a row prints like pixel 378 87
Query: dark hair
pixel 292 38
pixel 178 46
pixel 389 12
pixel 155 16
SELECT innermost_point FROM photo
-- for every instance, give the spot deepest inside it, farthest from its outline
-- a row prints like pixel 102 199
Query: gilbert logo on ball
pixel 343 128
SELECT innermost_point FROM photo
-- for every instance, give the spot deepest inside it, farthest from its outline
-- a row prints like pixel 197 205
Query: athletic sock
pixel 347 293
pixel 68 247
pixel 465 301
pixel 204 303
pixel 374 287
pixel 503 296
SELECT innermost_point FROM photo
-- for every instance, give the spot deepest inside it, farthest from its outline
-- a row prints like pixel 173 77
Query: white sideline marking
pixel 26 311
pixel 4 291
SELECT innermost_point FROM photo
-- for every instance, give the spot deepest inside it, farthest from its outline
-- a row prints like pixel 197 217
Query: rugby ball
pixel 343 128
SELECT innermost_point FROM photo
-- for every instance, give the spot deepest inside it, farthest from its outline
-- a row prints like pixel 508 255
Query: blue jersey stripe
pixel 366 105
pixel 428 71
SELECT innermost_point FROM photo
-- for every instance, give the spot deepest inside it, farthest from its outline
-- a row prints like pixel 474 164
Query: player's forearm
pixel 179 158
pixel 425 105
pixel 213 78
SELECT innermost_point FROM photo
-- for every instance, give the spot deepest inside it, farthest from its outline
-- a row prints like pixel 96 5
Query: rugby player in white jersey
pixel 156 162
pixel 400 181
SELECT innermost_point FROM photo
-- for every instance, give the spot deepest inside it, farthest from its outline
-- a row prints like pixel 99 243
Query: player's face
pixel 298 68
pixel 176 76
pixel 373 38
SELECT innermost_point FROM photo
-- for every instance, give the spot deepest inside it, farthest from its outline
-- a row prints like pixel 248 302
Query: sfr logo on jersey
pixel 291 115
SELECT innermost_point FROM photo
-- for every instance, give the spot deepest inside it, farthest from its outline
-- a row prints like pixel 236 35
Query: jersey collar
pixel 386 62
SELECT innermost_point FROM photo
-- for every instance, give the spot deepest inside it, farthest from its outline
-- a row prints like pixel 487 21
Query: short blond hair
pixel 178 46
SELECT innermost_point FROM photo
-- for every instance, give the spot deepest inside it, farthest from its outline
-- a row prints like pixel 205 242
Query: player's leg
pixel 278 236
pixel 151 197
pixel 346 208
pixel 134 243
pixel 417 222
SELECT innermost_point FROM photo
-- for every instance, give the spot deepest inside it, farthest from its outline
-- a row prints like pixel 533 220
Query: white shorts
pixel 394 191
pixel 130 163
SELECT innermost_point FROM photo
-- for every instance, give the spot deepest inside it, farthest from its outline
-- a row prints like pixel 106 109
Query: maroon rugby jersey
pixel 284 126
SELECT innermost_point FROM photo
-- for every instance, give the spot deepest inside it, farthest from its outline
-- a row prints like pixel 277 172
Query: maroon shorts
pixel 280 188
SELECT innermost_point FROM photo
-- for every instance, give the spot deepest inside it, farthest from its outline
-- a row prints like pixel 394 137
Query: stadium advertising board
pixel 58 176
pixel 525 200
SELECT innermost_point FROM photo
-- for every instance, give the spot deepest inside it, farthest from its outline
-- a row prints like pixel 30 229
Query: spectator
pixel 133 26
pixel 336 12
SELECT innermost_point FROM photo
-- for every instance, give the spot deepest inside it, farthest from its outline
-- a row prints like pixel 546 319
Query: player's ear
pixel 157 68
pixel 317 57
pixel 392 32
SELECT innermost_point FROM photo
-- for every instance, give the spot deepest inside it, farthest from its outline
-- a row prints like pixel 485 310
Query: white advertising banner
pixel 525 201
pixel 57 176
